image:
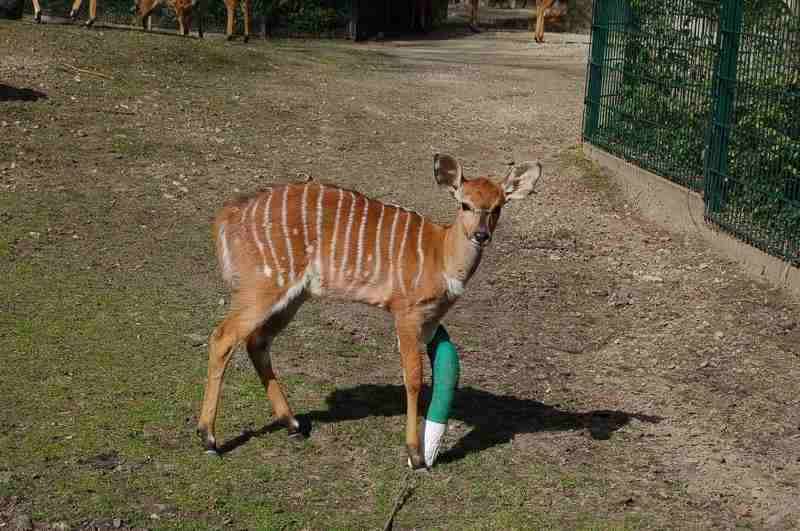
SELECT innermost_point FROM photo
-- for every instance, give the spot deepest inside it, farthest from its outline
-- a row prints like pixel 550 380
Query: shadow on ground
pixel 9 93
pixel 495 419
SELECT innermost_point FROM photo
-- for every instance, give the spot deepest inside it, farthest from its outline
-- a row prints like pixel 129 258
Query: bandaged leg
pixel 444 375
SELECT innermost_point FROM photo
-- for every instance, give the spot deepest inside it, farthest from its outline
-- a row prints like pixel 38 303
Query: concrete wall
pixel 676 208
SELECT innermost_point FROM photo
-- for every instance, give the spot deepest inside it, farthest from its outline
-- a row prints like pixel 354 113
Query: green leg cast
pixel 445 372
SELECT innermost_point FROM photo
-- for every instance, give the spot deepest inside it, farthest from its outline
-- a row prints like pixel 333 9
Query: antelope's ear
pixel 521 180
pixel 447 172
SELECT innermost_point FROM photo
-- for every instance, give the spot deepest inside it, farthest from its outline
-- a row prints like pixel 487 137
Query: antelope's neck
pixel 461 257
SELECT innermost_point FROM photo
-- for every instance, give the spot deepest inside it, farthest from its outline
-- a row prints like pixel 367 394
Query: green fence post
pixel 724 96
pixel 594 85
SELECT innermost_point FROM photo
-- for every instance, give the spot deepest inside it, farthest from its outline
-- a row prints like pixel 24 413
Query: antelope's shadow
pixel 493 419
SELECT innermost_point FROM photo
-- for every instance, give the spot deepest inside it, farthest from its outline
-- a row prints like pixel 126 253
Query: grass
pixel 107 268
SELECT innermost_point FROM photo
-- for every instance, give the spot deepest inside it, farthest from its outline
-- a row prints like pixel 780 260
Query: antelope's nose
pixel 482 237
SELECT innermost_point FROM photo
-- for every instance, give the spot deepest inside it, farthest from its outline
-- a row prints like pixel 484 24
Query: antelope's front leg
pixel 408 337
pixel 92 12
pixel 73 13
pixel 37 11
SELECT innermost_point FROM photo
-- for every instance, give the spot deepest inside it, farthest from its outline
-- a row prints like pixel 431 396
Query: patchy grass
pixel 107 188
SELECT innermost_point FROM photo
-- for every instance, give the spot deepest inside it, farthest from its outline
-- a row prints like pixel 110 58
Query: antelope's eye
pixel 465 207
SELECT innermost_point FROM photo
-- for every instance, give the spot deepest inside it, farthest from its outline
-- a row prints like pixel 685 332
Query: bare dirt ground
pixel 614 374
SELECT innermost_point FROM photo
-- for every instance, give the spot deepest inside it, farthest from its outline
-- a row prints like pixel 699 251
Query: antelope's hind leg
pixel 259 344
pixel 237 326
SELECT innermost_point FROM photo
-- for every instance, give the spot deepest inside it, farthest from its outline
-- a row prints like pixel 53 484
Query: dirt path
pixel 582 302
pixel 612 371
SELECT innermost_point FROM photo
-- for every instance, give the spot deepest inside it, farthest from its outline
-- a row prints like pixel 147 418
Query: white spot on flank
pixel 295 232
pixel 286 235
pixel 309 249
pixel 369 258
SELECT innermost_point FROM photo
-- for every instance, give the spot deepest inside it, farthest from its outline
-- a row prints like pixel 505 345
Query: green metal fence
pixel 707 94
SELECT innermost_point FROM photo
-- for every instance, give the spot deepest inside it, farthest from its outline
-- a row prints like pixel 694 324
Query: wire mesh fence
pixel 706 93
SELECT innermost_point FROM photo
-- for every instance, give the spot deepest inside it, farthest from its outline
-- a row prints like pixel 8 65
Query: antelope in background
pixel 184 10
pixel 546 8
pixel 73 13
pixel 294 241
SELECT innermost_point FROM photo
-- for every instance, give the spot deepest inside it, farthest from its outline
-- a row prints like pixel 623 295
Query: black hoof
pixel 214 453
pixel 208 443
pixel 37 17
pixel 246 39
pixel 300 430
pixel 89 23
pixel 415 459
pixel 229 38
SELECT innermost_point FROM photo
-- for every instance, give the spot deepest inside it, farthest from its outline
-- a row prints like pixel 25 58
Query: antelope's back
pixel 336 241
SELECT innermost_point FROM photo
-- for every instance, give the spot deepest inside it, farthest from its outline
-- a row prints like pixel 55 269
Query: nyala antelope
pixel 184 9
pixel 73 13
pixel 301 240
pixel 546 8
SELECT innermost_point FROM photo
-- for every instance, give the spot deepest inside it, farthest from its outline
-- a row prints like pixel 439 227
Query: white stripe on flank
pixel 391 247
pixel 346 249
pixel 360 253
pixel 257 238
pixel 333 234
pixel 377 270
pixel 400 256
pixel 305 216
pixel 268 230
pixel 420 254
pixel 286 234
pixel 319 215
pixel 319 231
pixel 243 219
pixel 227 266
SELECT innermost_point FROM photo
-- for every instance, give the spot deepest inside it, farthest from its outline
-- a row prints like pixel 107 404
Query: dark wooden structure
pixel 372 18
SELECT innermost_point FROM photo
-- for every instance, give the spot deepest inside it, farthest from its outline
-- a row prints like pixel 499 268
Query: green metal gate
pixel 707 94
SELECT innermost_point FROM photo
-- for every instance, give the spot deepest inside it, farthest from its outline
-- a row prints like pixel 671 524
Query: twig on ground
pixel 405 491
pixel 84 71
